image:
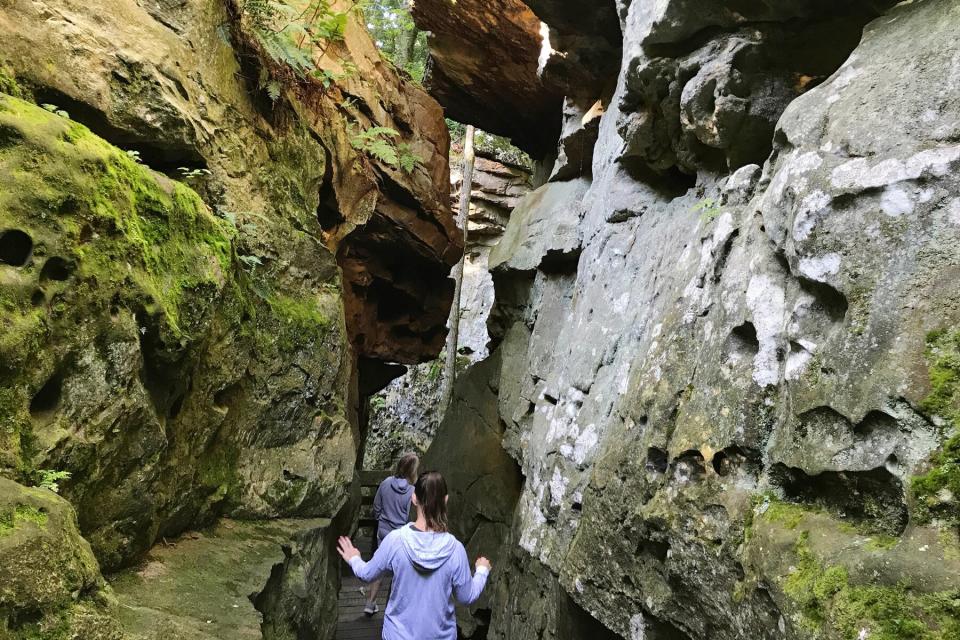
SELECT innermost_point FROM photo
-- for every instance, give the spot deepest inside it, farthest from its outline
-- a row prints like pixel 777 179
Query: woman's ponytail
pixel 431 492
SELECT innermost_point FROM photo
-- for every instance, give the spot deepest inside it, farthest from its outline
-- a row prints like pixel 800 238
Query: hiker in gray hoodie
pixel 428 565
pixel 391 509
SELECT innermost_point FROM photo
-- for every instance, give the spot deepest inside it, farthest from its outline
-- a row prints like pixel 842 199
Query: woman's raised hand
pixel 483 562
pixel 346 549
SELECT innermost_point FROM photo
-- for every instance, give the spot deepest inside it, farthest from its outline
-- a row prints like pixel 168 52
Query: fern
pixel 378 143
pixel 273 90
pixel 408 160
pixel 283 31
pixel 50 479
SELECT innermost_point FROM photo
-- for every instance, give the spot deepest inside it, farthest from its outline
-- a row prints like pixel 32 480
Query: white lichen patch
pixel 820 268
pixel 585 443
pixel 954 211
pixel 859 174
pixel 896 202
pixel 813 208
pixel 766 301
pixel 558 487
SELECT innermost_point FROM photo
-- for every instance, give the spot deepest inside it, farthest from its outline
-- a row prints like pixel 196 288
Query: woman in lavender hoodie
pixel 428 565
pixel 391 510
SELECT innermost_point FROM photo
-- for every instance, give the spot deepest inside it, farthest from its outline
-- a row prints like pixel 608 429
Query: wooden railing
pixel 370 479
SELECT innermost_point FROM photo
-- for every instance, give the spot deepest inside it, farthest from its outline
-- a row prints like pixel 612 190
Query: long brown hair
pixel 407 467
pixel 431 492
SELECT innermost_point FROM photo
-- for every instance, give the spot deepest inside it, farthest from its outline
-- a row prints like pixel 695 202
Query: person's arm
pixel 366 571
pixel 467 589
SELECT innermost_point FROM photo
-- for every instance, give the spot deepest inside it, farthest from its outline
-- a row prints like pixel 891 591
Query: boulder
pixel 51 584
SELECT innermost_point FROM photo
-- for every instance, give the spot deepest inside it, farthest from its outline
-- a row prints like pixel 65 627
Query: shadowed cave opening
pixel 167 158
pixel 873 499
pixel 47 399
pixel 576 623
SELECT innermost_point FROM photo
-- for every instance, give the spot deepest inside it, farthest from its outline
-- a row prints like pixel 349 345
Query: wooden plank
pixel 373 477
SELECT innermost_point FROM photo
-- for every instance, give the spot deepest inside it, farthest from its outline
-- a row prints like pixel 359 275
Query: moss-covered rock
pixel 937 490
pixel 233 580
pixel 50 584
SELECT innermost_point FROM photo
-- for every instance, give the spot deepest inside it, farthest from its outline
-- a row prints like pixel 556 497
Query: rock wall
pixel 405 415
pixel 727 353
pixel 197 265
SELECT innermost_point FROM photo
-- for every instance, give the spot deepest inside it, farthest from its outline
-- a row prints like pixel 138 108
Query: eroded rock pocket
pixel 16 247
pixel 874 499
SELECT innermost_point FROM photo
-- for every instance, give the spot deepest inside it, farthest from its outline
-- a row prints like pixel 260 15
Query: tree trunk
pixel 466 185
pixel 406 41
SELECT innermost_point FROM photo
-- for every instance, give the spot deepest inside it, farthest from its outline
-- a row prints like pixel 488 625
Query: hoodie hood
pixel 427 550
pixel 400 485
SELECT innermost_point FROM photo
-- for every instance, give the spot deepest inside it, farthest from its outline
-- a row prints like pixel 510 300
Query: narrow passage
pixel 352 623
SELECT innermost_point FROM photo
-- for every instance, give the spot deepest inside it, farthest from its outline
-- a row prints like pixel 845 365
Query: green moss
pixel 784 513
pixel 137 239
pixel 299 320
pixel 8 83
pixel 937 492
pixel 827 600
pixel 20 514
pixel 218 470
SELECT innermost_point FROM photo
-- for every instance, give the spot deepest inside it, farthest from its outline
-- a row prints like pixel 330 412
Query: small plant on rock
pixel 50 479
pixel 709 209
pixel 380 143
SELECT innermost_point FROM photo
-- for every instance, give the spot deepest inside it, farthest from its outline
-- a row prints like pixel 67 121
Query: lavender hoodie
pixel 427 568
pixel 391 506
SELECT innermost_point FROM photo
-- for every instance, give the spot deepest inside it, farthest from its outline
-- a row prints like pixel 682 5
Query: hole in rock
pixel 176 407
pixel 226 397
pixel 654 549
pixel 56 268
pixel 290 476
pixel 742 344
pixel 872 498
pixel 556 261
pixel 165 158
pixel 38 297
pixel 671 183
pixel 689 466
pixel 735 460
pixel 575 623
pixel 328 210
pixel 161 373
pixel 827 299
pixel 722 256
pixel 876 421
pixel 657 460
pixel 16 246
pixel 47 399
pixel 892 463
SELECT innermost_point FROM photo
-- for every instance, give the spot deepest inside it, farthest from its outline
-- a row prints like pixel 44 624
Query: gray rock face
pixel 735 393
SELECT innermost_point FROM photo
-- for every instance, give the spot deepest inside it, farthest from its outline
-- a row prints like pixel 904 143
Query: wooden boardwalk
pixel 352 622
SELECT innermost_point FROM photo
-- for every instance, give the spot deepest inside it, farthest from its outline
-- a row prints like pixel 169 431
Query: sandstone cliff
pixel 198 262
pixel 726 347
